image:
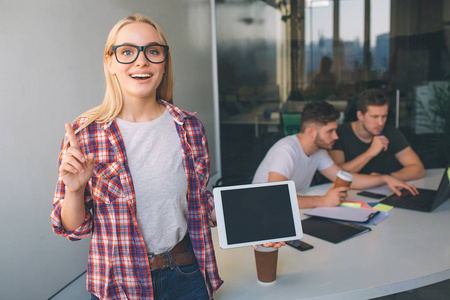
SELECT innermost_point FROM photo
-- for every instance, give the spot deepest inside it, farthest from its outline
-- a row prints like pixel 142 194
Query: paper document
pixel 382 189
pixel 343 213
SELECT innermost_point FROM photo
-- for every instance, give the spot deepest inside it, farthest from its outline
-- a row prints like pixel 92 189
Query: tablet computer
pixel 253 214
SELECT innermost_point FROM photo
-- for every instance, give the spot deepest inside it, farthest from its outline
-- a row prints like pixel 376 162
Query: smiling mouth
pixel 141 76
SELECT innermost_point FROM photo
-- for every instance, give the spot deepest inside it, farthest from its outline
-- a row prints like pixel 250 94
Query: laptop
pixel 426 200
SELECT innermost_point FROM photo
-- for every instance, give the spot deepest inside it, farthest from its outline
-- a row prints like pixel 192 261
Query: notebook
pixel 427 200
pixel 343 213
pixel 252 214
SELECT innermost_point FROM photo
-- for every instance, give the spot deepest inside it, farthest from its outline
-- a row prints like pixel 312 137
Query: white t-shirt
pixel 287 158
pixel 155 160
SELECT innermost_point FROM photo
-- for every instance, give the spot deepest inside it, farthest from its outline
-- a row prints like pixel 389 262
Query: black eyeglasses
pixel 126 54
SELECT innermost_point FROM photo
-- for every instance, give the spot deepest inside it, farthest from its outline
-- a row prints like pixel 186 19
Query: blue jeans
pixel 180 283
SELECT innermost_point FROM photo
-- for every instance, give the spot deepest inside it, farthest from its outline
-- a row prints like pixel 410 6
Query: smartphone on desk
pixel 371 195
pixel 299 245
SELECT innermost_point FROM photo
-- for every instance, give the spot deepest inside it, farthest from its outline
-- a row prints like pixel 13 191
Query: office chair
pixel 232 180
pixel 290 122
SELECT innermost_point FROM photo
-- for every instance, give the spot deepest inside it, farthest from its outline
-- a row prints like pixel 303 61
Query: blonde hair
pixel 113 100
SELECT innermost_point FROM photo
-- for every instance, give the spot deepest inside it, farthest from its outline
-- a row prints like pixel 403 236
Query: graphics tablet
pixel 332 231
pixel 253 214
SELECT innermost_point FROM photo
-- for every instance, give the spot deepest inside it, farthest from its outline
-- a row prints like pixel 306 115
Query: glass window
pixel 320 77
pixel 380 11
pixel 351 29
pixel 249 91
pixel 276 56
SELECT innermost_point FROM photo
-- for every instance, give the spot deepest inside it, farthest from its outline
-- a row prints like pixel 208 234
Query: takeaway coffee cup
pixel 343 179
pixel 266 264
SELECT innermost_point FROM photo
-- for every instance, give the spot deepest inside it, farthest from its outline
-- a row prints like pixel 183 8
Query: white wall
pixel 51 71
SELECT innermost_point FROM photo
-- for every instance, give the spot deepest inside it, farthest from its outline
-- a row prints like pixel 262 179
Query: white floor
pixel 439 291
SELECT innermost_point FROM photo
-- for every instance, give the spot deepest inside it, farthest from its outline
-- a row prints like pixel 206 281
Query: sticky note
pixel 383 207
pixel 351 204
pixel 366 206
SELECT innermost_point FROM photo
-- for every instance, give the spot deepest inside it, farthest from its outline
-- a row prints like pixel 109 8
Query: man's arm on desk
pixel 412 166
pixel 361 181
pixel 333 197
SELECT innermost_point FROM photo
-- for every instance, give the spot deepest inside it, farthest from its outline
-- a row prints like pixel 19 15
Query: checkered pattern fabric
pixel 118 265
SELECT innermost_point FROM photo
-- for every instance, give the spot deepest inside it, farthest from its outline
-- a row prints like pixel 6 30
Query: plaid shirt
pixel 118 266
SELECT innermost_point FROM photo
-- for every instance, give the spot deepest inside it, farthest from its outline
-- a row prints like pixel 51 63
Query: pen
pixel 381 134
pixel 372 215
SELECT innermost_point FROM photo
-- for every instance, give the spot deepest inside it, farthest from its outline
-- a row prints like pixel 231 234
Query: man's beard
pixel 321 143
pixel 368 131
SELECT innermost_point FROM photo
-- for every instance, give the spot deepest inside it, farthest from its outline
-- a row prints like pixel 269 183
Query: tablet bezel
pixel 223 240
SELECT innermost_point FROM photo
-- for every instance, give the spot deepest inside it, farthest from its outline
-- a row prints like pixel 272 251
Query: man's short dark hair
pixel 318 112
pixel 372 97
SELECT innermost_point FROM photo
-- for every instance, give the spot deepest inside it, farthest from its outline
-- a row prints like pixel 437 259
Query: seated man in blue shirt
pixel 370 146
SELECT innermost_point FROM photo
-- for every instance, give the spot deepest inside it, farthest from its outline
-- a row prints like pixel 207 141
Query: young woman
pixel 133 174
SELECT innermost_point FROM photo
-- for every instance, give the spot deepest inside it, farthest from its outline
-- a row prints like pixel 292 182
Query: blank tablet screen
pixel 253 214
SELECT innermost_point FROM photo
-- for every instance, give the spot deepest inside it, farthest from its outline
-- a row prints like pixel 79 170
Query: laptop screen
pixel 250 214
pixel 443 192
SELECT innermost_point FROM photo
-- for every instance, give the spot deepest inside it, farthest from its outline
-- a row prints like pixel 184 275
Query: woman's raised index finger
pixel 71 135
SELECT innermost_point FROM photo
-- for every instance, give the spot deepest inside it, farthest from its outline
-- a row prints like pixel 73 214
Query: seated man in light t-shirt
pixel 297 157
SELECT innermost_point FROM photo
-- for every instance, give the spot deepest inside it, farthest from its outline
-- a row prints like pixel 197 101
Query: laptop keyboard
pixel 409 200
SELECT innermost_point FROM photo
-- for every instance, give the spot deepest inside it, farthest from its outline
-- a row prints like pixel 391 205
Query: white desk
pixel 253 117
pixel 407 250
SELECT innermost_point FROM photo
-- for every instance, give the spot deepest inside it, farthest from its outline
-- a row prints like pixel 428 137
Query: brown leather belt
pixel 179 257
